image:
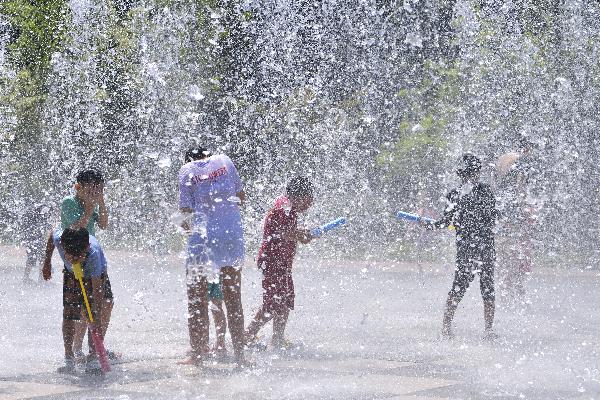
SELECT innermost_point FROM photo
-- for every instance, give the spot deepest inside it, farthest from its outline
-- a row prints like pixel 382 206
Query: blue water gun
pixel 417 218
pixel 413 217
pixel 318 231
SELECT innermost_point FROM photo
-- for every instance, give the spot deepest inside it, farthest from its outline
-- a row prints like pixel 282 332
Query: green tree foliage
pixel 38 30
pixel 412 162
pixel 116 58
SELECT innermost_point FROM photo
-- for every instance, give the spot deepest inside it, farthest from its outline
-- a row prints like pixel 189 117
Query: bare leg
pixel 29 264
pixel 198 323
pixel 279 323
pixel 68 331
pixel 92 354
pixel 451 305
pixel 80 327
pixel 231 279
pixel 220 324
pixel 524 267
pixel 488 314
pixel 259 321
pixel 462 278
pixel 106 311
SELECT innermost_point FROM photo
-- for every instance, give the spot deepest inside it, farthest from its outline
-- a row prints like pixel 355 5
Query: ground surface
pixel 368 331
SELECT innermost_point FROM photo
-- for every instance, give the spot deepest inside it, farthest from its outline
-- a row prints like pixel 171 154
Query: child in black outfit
pixel 472 210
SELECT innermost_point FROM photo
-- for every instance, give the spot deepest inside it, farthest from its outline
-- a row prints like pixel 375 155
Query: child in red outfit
pixel 276 255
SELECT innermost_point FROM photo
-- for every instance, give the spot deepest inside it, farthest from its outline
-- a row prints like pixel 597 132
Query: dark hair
pixel 469 165
pixel 196 153
pixel 299 186
pixel 75 241
pixel 90 176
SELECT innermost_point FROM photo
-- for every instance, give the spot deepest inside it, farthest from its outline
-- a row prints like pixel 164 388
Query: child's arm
pixel 242 196
pixel 448 217
pixel 277 224
pixel 299 235
pixel 185 224
pixel 92 270
pixel 68 213
pixel 238 187
pixel 47 268
pixel 98 301
pixel 304 236
pixel 102 212
pixel 186 201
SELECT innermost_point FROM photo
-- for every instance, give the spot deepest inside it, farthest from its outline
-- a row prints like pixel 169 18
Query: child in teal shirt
pixel 85 209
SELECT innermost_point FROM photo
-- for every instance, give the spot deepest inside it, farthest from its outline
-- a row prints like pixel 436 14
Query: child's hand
pixel 99 194
pixel 89 202
pixel 97 324
pixel 304 236
pixel 92 196
pixel 186 228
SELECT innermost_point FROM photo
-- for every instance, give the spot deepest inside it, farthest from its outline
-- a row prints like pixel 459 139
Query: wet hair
pixel 75 241
pixel 90 176
pixel 469 165
pixel 196 153
pixel 299 186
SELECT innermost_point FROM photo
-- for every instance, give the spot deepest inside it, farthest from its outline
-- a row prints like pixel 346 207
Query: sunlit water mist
pixel 329 90
pixel 374 101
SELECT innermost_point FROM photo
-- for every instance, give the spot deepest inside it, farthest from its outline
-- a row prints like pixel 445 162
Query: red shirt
pixel 276 252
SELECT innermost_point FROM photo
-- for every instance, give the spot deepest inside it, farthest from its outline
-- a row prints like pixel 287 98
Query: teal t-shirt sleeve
pixel 70 212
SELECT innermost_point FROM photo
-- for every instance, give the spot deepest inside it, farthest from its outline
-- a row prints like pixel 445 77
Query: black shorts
pixel 73 296
pixel 472 260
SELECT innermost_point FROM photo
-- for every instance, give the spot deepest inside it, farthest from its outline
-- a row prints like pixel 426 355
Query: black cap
pixel 196 153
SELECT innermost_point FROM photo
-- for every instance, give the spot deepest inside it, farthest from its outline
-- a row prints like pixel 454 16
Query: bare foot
pixel 193 360
pixel 490 335
pixel 219 352
pixel 242 363
pixel 447 333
